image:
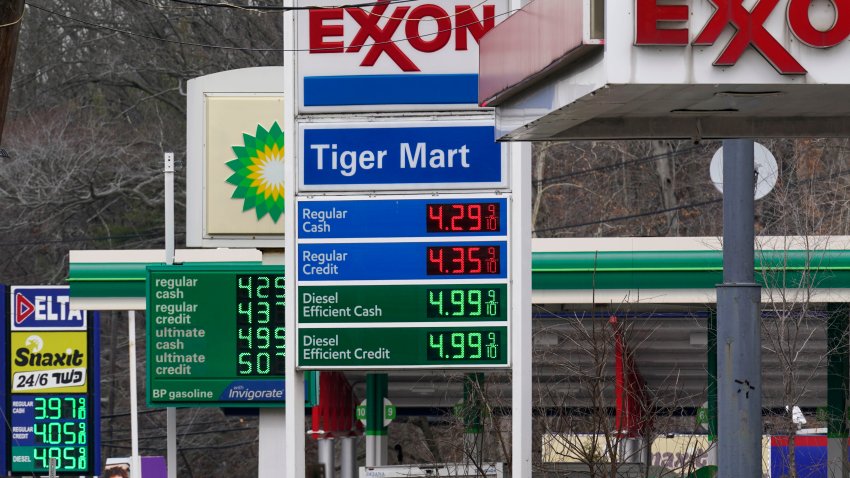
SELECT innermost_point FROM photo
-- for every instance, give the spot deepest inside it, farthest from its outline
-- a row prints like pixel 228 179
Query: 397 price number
pixel 464 260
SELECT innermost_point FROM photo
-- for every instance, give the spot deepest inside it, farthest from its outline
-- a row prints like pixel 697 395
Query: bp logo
pixel 258 172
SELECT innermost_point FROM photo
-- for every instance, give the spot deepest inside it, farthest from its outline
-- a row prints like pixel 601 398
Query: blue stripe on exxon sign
pixel 390 90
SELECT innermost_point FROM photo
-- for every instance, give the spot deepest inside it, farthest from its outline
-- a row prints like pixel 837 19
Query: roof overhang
pixel 584 85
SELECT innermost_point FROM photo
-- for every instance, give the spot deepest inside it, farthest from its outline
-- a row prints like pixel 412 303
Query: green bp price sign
pixel 216 336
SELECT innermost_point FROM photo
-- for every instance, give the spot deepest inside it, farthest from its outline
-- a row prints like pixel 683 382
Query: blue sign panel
pixel 4 350
pixel 44 308
pixel 357 157
pixel 402 261
pixel 403 218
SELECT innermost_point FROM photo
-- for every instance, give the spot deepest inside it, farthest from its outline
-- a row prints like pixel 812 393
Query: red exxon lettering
pixel 377 28
pixel 749 26
pixel 801 24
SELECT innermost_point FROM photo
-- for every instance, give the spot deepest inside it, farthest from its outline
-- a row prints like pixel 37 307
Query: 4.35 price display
pixel 260 324
pixel 463 217
pixel 465 345
pixel 464 260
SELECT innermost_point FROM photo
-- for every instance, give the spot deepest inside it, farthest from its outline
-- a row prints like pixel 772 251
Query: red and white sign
pixel 814 23
pixel 429 38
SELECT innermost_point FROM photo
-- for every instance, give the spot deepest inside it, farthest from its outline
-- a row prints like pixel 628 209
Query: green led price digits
pixel 260 332
pixel 481 302
pixel 459 346
pixel 67 459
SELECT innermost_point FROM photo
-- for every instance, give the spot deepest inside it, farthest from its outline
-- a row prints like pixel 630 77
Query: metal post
pixel 347 459
pixel 135 461
pixel 326 455
pixel 271 456
pixel 711 334
pixel 739 421
pixel 521 383
pixel 294 423
pixel 838 369
pixel 376 432
pixel 170 412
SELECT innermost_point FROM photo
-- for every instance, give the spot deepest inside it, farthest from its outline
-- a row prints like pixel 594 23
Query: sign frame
pixel 91 329
pixel 311 388
pixel 244 83
pixel 383 238
pixel 422 124
pixel 440 75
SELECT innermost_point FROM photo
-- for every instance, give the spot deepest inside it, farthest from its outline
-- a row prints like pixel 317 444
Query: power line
pixel 632 216
pixel 604 167
pixel 238 48
pixel 272 8
pixel 147 235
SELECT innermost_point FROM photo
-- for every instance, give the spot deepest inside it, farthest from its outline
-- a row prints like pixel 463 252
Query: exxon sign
pixel 817 24
pixel 392 56
pixel 44 308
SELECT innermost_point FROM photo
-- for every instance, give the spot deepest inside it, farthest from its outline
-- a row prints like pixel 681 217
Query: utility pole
pixel 11 15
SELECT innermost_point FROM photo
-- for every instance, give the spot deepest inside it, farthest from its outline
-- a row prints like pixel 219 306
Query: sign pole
pixel 739 420
pixel 135 462
pixel 294 466
pixel 170 412
pixel 520 167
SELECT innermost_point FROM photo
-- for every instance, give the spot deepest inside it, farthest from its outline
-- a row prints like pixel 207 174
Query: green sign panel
pixel 216 337
pixel 403 303
pixel 369 348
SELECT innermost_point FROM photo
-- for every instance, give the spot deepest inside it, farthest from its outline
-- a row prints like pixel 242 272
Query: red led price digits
pixel 456 260
pixel 463 217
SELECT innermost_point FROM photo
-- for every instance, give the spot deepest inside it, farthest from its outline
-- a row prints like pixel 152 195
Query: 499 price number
pixel 484 345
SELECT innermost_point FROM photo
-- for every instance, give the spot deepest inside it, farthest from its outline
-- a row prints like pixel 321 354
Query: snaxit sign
pixel 392 56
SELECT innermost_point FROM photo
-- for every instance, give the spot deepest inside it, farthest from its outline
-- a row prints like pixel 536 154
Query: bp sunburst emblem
pixel 258 172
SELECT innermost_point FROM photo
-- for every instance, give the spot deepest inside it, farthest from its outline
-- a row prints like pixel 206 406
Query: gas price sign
pixel 407 282
pixel 216 336
pixel 54 404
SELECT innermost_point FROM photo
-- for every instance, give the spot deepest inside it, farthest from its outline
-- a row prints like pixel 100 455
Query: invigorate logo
pixel 265 391
pixel 655 25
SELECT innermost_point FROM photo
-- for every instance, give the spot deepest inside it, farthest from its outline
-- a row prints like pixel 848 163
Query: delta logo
pixel 47 309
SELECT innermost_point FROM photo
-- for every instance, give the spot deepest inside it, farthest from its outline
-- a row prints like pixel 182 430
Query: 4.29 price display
pixel 484 217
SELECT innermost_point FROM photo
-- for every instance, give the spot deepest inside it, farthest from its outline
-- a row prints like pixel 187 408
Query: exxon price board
pixel 391 56
pixel 403 282
pixel 393 156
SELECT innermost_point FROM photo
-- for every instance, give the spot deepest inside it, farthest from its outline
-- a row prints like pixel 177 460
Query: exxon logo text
pixel 656 24
pixel 45 308
pixel 378 26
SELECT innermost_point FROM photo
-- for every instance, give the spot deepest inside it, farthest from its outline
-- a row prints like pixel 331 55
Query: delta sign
pixel 44 308
pixel 392 56
pixel 689 69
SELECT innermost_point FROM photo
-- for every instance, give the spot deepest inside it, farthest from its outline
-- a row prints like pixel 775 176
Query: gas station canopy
pixel 690 69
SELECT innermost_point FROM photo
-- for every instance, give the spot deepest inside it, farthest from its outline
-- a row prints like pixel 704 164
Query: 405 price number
pixel 465 346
